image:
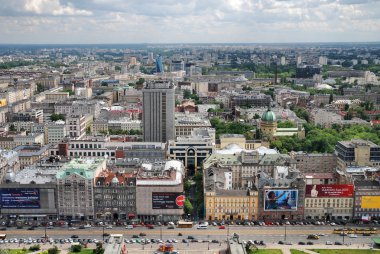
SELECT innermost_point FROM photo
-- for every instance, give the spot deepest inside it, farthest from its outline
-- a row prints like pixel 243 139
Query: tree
pixel 99 248
pixel 53 250
pixel 301 113
pixel 71 92
pixel 188 207
pixel 76 248
pixel 56 117
pixel 286 124
pixel 12 127
pixel 256 116
pixel 186 94
pixel 88 130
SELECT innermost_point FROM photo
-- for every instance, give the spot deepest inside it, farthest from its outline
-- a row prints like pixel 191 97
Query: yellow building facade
pixel 231 205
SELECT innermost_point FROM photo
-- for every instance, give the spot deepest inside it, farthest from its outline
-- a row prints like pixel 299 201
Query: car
pixel 366 234
pixel 313 237
pixel 222 227
pixel 185 241
pixel 190 237
pixel 215 241
pixel 179 234
pixel 301 243
pixel 3 229
pixel 87 226
pixel 338 243
pixel 74 236
pixel 129 227
pixel 109 227
pixel 81 227
pixel 72 228
pixel 343 234
pixel 288 243
pixel 329 243
pixel 135 236
pixel 352 236
pixel 50 227
pixel 171 227
pixel 151 227
pixel 106 235
pixel 31 228
pixel 194 240
pixel 310 243
pixel 320 234
pixel 280 242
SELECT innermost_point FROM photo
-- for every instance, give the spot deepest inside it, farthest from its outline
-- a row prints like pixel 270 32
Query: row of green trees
pixel 323 140
pixel 223 127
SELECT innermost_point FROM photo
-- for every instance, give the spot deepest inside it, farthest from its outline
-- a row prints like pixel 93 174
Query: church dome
pixel 9 176
pixel 269 116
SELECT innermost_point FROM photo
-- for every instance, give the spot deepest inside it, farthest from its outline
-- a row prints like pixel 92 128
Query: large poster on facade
pixel 329 190
pixel 19 198
pixel 168 200
pixel 283 199
pixel 370 202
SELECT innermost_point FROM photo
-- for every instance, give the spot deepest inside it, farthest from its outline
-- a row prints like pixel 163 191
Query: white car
pixel 72 228
pixel 352 236
pixel 87 226
pixel 333 224
pixel 109 227
pixel 329 243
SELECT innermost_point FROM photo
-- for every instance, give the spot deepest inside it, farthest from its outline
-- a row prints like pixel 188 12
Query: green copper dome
pixel 269 116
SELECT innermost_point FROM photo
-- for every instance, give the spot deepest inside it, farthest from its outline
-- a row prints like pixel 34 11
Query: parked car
pixel 329 243
pixel 222 227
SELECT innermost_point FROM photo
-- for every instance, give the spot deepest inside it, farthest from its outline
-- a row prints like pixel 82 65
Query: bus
pixel 3 236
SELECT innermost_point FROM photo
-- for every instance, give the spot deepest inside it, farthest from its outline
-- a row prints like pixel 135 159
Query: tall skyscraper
pixel 158 111
pixel 159 65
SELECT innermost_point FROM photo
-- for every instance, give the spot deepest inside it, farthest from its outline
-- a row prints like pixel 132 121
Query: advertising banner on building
pixel 19 198
pixel 168 200
pixel 371 202
pixel 329 190
pixel 275 200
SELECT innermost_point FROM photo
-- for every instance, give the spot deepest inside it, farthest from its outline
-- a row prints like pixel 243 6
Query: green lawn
pixel 293 251
pixel 17 251
pixel 349 251
pixel 266 251
pixel 84 251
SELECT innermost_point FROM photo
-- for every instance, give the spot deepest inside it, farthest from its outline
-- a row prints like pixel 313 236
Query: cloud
pixel 121 21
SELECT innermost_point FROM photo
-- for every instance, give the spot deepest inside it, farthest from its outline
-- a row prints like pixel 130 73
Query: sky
pixel 188 21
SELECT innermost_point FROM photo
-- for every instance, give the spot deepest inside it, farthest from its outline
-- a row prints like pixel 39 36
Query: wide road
pixel 269 234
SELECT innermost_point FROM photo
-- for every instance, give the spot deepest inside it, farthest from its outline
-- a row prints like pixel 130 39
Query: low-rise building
pixel 75 188
pixel 357 152
pixel 315 162
pixel 55 132
pixel 222 202
pixel 115 196
pixel 186 122
pixel 192 150
pixel 329 201
pixel 159 191
pixel 367 200
pixel 30 154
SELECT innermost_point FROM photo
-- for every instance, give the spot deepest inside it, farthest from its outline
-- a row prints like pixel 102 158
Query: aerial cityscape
pixel 232 127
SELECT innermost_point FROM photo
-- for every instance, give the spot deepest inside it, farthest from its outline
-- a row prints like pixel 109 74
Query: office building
pixel 159 64
pixel 357 152
pixel 158 111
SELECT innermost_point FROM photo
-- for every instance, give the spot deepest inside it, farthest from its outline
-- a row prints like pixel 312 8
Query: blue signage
pixel 14 198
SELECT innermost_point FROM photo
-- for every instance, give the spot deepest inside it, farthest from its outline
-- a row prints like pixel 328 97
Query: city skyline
pixel 168 21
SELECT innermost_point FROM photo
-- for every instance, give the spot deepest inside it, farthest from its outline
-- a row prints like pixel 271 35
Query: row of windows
pixel 92 154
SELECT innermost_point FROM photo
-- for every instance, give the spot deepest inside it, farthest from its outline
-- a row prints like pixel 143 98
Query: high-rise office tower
pixel 158 111
pixel 159 65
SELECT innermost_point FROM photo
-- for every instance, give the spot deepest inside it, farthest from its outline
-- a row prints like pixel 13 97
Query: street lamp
pixel 208 242
pixel 160 216
pixel 285 228
pixel 343 235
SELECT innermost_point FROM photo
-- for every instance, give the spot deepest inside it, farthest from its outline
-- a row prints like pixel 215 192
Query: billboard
pixel 371 202
pixel 329 190
pixel 284 199
pixel 168 200
pixel 19 198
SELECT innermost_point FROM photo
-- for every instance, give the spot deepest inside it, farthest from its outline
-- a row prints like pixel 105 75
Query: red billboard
pixel 329 190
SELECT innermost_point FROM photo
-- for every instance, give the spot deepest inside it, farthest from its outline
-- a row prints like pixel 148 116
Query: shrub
pixel 35 247
pixel 76 248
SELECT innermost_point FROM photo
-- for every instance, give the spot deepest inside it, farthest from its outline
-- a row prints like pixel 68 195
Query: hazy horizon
pixel 194 21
